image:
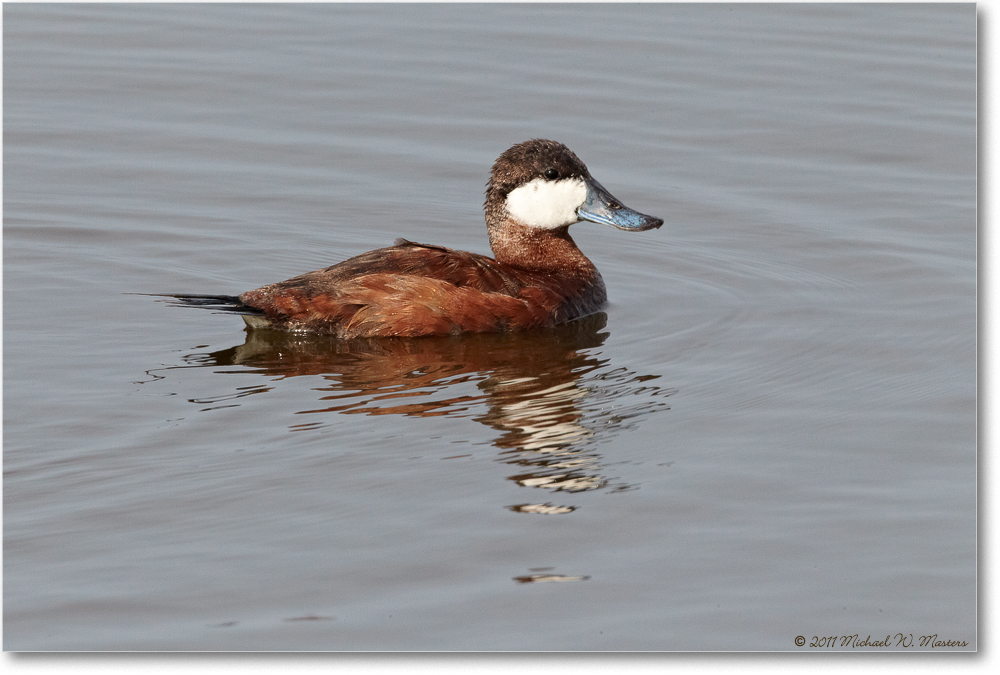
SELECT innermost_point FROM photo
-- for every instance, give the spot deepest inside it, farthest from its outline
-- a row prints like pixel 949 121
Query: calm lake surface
pixel 770 433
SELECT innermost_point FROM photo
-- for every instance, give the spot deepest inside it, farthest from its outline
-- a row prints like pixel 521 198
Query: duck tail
pixel 226 304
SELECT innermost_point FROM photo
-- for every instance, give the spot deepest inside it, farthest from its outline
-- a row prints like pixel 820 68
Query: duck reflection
pixel 548 393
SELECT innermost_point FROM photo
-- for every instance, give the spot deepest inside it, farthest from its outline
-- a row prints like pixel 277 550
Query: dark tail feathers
pixel 228 304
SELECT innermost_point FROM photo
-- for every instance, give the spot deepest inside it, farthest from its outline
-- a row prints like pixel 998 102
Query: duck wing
pixel 406 289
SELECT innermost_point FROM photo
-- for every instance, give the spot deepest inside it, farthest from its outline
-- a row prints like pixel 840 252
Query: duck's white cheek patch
pixel 547 203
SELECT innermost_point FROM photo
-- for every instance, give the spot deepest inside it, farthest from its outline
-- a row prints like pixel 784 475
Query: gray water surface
pixel 770 433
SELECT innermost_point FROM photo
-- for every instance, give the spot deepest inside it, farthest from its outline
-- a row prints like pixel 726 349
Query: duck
pixel 537 277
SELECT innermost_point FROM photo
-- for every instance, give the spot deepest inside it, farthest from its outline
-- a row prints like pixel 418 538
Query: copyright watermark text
pixel 858 641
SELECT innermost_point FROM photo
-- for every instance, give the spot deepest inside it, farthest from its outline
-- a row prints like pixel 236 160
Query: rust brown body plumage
pixel 412 289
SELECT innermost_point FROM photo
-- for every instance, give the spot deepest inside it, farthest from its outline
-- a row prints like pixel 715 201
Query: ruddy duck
pixel 538 277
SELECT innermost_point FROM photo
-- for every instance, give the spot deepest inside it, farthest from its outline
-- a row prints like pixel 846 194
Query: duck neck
pixel 535 248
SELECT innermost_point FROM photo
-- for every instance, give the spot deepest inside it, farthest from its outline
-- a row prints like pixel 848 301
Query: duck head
pixel 542 185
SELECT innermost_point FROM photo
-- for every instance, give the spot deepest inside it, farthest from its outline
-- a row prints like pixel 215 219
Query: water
pixel 770 433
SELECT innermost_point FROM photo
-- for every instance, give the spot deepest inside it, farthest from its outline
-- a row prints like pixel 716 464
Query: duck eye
pixel 551 174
